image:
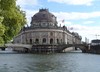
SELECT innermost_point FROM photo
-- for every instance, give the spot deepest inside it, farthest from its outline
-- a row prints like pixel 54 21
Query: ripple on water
pixel 59 62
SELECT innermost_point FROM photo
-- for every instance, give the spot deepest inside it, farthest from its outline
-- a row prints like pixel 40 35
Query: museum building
pixel 44 34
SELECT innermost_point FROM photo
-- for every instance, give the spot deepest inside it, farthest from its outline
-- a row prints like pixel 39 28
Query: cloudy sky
pixel 81 15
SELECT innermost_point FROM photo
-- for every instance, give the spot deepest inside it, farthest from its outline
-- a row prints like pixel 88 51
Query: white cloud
pixel 86 31
pixel 68 23
pixel 88 22
pixel 77 27
pixel 60 23
pixel 66 16
pixel 26 3
pixel 29 14
pixel 76 15
pixel 91 32
pixel 74 2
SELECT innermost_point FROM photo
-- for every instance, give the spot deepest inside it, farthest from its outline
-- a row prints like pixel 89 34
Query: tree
pixel 14 19
pixel 2 30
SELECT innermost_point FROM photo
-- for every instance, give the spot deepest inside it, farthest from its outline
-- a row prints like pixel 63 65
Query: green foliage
pixel 2 30
pixel 1 41
pixel 14 18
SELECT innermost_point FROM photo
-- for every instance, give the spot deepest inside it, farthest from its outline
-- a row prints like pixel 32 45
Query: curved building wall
pixel 41 36
pixel 46 36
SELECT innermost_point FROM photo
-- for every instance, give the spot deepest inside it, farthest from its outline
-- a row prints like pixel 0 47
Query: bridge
pixel 19 47
pixel 58 48
pixel 84 47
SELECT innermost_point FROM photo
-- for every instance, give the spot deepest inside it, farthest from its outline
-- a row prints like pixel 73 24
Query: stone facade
pixel 46 36
pixel 45 31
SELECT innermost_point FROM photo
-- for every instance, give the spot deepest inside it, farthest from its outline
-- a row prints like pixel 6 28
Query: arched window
pixel 51 41
pixel 30 41
pixel 44 40
pixel 57 41
pixel 37 41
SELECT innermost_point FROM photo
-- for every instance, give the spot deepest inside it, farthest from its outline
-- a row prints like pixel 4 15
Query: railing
pixel 81 46
pixel 19 45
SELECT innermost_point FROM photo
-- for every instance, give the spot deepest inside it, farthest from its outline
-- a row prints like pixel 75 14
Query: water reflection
pixel 60 62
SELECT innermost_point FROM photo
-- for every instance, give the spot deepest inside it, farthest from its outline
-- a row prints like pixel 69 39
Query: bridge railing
pixel 19 45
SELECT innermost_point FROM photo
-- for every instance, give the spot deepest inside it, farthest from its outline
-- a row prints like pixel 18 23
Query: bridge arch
pixel 83 47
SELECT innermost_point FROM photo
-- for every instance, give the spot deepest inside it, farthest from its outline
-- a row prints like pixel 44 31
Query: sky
pixel 81 16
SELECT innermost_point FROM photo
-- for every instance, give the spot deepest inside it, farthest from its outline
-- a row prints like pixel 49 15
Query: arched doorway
pixel 30 41
pixel 57 41
pixel 51 41
pixel 37 41
pixel 44 40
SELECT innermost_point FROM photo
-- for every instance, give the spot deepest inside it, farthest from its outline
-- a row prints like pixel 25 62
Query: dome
pixel 43 16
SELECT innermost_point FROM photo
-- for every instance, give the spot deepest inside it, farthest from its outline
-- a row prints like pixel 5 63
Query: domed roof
pixel 44 15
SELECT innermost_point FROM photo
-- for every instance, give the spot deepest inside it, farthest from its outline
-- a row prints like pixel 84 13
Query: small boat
pixel 95 46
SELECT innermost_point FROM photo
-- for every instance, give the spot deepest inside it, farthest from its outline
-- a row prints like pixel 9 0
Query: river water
pixel 58 62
